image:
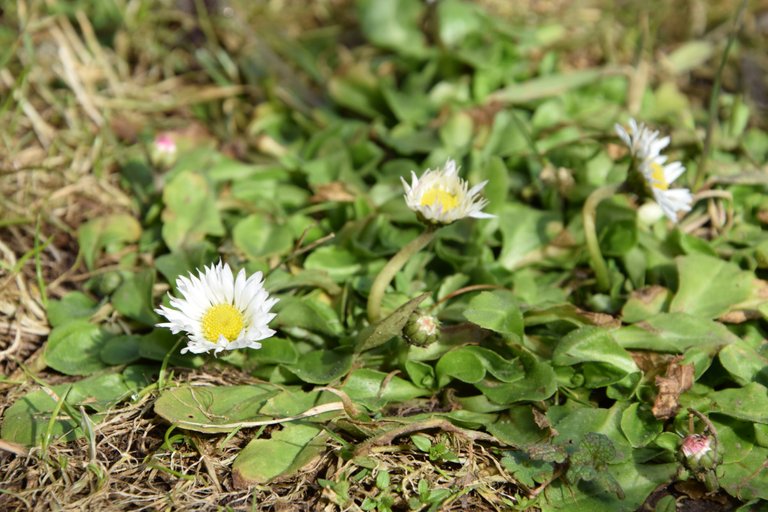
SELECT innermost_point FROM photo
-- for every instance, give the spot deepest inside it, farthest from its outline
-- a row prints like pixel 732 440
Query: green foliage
pixel 286 452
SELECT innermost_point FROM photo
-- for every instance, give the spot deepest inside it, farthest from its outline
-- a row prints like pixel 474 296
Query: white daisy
pixel 220 312
pixel 643 143
pixel 646 146
pixel 441 197
pixel 659 176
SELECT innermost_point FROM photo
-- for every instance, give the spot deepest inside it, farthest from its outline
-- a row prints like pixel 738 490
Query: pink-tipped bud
pixel 698 452
pixel 164 150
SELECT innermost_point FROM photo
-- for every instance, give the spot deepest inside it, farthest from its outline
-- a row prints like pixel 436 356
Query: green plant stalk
pixel 392 267
pixel 589 213
pixel 714 98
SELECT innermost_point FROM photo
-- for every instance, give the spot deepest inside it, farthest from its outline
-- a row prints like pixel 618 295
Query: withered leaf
pixel 676 380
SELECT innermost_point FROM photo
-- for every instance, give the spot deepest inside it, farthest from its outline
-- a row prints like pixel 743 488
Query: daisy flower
pixel 220 312
pixel 441 197
pixel 643 143
pixel 659 176
pixel 646 146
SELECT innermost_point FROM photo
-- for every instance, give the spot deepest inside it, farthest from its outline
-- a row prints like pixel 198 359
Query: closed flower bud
pixel 421 329
pixel 698 452
pixel 163 152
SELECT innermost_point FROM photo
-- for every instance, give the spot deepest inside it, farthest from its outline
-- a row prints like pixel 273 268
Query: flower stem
pixel 589 212
pixel 714 97
pixel 393 267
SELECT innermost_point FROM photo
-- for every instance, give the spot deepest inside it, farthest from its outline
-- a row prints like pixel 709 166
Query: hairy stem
pixel 589 214
pixel 392 267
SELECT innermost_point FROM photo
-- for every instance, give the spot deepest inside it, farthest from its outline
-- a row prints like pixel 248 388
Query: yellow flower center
pixel 222 320
pixel 657 175
pixel 444 198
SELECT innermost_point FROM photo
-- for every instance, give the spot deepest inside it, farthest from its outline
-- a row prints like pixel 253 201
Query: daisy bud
pixel 422 329
pixel 698 452
pixel 163 152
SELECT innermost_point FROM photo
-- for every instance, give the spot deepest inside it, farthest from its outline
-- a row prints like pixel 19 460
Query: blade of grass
pixel 715 97
pixel 39 265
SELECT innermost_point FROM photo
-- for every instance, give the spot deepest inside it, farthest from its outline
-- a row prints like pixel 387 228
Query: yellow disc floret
pixel 444 198
pixel 222 320
pixel 657 175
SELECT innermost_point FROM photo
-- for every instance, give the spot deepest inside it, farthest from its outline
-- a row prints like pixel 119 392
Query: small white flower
pixel 646 146
pixel 441 197
pixel 643 143
pixel 659 176
pixel 220 312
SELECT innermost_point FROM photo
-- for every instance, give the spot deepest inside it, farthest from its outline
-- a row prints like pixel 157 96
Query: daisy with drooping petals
pixel 220 312
pixel 441 197
pixel 646 146
pixel 642 141
pixel 659 176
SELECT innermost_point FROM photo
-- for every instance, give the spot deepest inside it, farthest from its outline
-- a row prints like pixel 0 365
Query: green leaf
pixel 639 425
pixel 725 286
pixel 274 351
pixel 308 312
pixel 550 85
pixel 539 382
pixel 523 231
pixel 108 233
pixel 748 403
pixel 525 470
pixel 575 424
pixel 26 421
pixel 422 442
pixel 157 343
pixel 470 364
pixel 747 479
pixel 284 454
pixel 323 366
pixel 593 344
pixel 384 330
pixel 121 349
pixel 75 347
pixel 190 211
pixel 393 24
pixel 644 303
pixel 213 409
pixel 518 427
pixel 73 306
pixel 370 386
pixel 674 332
pixel 637 482
pixel 460 364
pixel 185 261
pixel 339 263
pixel 457 20
pixel 133 298
pixel 497 311
pixel 744 363
pixel 259 236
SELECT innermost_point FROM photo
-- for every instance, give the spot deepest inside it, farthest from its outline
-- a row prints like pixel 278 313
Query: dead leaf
pixel 332 192
pixel 676 380
pixel 651 363
pixel 543 422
